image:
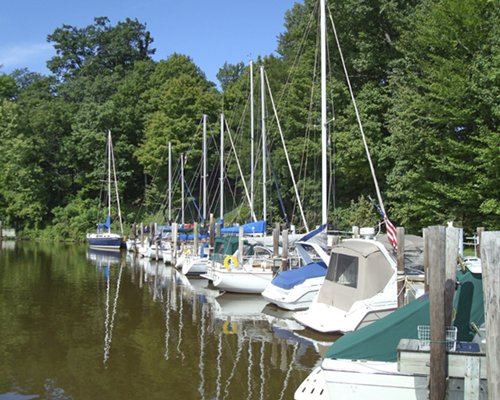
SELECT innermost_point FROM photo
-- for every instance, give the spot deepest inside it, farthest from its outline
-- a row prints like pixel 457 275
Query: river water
pixel 76 324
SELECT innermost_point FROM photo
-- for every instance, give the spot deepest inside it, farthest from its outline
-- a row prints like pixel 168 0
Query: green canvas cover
pixel 379 341
pixel 223 247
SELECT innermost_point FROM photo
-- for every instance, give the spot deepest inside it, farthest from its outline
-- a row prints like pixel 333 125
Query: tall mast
pixel 324 177
pixel 109 178
pixel 169 182
pixel 252 139
pixel 222 167
pixel 182 188
pixel 204 215
pixel 263 106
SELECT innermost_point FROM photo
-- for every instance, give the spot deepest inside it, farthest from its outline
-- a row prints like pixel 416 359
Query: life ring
pixel 230 259
pixel 229 329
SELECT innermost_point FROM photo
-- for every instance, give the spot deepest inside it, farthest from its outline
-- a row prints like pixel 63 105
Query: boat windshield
pixel 343 269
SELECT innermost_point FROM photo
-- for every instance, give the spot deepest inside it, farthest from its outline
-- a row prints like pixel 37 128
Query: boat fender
pixel 228 328
pixel 230 261
pixel 187 251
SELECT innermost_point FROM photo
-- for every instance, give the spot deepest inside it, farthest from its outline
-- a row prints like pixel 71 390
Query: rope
pixel 358 118
pixel 287 157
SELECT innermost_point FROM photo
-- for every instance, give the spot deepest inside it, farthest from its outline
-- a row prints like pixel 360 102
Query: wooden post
pixel 142 233
pixel 240 244
pixel 218 229
pixel 490 262
pixel 211 233
pixel 426 259
pixel 452 243
pixel 284 250
pixel 437 260
pixel 195 239
pixel 479 233
pixel 1 230
pixel 400 261
pixel 276 240
pixel 174 246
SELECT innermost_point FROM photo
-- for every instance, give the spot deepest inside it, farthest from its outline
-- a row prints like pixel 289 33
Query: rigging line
pixel 275 178
pixel 241 172
pixel 116 185
pixel 286 155
pixel 300 50
pixel 379 196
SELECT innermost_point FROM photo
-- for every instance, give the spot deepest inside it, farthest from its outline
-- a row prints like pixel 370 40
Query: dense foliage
pixel 425 74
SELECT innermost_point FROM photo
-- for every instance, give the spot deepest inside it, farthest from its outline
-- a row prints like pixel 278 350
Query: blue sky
pixel 211 32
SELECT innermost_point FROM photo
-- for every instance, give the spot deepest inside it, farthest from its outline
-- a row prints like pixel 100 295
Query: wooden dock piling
pixel 490 262
pixel 436 256
pixel 400 261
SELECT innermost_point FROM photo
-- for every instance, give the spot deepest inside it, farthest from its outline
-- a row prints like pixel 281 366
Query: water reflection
pixel 259 340
pixel 102 325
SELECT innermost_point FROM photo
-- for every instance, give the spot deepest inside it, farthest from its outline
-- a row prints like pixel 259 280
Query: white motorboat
pixel 360 286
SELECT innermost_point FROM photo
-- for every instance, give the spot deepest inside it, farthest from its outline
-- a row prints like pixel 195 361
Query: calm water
pixel 81 325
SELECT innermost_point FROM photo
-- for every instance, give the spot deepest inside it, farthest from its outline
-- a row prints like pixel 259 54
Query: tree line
pixel 425 74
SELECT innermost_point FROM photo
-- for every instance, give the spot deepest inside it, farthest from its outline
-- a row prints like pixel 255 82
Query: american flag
pixel 391 232
pixel 389 227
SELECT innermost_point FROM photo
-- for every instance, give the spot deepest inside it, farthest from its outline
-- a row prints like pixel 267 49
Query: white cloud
pixel 28 55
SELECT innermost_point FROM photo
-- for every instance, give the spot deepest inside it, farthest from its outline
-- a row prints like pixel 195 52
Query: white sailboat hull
pixel 195 265
pixel 243 280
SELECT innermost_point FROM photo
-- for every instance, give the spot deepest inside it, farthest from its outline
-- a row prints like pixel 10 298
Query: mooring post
pixel 479 233
pixel 452 243
pixel 490 263
pixel 426 259
pixel 218 228
pixel 284 250
pixel 437 259
pixel 211 234
pixel 240 244
pixel 142 233
pixel 195 238
pixel 400 260
pixel 174 245
pixel 276 240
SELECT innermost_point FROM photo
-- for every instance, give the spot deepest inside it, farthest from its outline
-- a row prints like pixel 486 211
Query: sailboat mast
pixel 204 167
pixel 222 167
pixel 109 178
pixel 252 139
pixel 182 189
pixel 169 182
pixel 263 108
pixel 324 177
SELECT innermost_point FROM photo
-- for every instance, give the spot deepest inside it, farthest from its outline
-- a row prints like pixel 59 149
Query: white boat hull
pixel 195 265
pixel 299 297
pixel 243 280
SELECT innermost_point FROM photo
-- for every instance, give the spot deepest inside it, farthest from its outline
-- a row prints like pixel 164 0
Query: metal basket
pixel 424 337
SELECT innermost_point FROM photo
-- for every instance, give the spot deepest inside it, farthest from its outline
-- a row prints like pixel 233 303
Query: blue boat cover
pixel 293 277
pixel 107 224
pixel 252 227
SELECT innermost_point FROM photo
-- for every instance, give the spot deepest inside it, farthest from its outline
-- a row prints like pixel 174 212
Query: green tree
pixel 444 133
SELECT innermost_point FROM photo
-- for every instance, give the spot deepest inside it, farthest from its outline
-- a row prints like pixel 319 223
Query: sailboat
pixel 104 238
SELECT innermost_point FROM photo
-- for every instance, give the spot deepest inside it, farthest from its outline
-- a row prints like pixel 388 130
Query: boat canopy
pixel 248 229
pixel 358 270
pixel 291 278
pixel 223 247
pixel 379 340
